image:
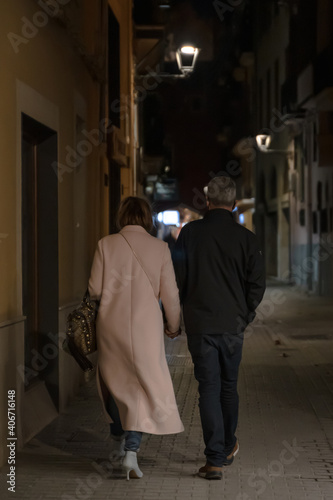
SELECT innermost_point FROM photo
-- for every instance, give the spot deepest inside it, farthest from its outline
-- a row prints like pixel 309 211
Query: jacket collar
pixel 218 212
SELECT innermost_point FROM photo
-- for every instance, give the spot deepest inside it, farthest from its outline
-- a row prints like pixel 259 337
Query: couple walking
pixel 218 277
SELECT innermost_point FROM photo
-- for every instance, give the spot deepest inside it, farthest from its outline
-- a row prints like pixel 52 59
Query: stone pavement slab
pixel 285 425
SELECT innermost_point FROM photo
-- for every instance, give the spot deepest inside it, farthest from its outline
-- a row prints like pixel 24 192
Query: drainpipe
pixel 309 149
pixel 104 53
pixel 292 208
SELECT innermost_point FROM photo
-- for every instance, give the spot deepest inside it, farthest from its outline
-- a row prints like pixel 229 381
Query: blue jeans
pixel 132 438
pixel 216 360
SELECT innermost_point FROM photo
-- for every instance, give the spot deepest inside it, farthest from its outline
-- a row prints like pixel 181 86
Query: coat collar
pixel 135 228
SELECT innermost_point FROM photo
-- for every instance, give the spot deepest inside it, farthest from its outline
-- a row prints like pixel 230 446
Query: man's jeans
pixel 132 438
pixel 216 361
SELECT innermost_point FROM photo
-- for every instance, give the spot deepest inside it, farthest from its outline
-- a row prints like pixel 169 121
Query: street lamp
pixel 186 58
pixel 263 143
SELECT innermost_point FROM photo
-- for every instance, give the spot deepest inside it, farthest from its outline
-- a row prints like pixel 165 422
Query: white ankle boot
pixel 130 464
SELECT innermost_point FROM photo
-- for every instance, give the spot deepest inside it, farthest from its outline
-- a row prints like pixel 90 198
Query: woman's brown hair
pixel 135 211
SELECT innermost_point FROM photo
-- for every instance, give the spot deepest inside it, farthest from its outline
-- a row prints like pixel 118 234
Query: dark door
pixel 40 254
pixel 271 246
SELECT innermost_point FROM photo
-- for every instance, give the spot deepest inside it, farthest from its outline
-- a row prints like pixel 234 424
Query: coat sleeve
pixel 180 263
pixel 255 281
pixel 169 293
pixel 96 276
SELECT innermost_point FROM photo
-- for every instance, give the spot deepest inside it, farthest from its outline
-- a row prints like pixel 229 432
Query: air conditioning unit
pixel 51 7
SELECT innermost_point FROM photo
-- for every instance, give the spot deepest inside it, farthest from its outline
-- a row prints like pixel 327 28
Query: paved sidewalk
pixel 285 428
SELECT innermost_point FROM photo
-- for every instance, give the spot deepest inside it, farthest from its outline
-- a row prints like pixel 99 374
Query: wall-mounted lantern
pixel 186 58
pixel 263 143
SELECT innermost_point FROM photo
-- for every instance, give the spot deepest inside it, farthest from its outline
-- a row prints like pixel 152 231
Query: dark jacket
pixel 220 274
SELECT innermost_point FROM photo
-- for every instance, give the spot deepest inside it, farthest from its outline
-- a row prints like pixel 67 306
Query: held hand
pixel 172 335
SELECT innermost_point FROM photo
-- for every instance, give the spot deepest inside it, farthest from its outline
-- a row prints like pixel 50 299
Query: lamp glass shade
pixel 263 141
pixel 186 57
pixel 187 49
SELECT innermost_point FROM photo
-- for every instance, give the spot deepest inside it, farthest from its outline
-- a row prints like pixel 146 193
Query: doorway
pixel 271 246
pixel 40 255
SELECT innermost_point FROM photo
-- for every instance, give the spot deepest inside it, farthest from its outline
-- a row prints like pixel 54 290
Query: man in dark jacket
pixel 221 281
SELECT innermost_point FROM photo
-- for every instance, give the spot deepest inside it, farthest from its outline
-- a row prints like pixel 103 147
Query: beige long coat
pixel 131 356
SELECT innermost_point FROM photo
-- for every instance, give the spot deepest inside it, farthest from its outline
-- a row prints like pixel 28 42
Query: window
pixel 319 196
pixel 315 142
pixel 302 217
pixel 323 221
pixel 260 103
pixel 268 97
pixel 277 83
pixel 314 222
pixel 302 180
pixel 327 196
pixel 286 178
pixel 273 183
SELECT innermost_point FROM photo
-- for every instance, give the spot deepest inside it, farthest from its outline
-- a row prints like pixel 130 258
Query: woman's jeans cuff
pixel 132 440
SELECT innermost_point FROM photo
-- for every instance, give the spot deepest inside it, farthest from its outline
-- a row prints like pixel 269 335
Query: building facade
pixel 68 156
pixel 293 102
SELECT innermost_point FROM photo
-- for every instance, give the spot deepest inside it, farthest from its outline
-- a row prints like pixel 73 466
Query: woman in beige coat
pixel 131 271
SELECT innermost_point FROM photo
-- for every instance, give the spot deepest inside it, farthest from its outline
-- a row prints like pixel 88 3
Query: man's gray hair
pixel 221 191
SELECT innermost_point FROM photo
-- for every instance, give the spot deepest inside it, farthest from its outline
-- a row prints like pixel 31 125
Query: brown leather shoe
pixel 230 458
pixel 210 472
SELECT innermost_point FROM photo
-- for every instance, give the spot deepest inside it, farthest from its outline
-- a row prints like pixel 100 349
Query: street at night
pixel 166 249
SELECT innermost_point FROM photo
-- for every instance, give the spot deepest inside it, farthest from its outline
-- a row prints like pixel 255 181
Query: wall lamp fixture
pixel 263 142
pixel 186 58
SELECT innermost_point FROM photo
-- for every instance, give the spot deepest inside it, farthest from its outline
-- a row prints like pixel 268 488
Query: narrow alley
pixel 285 426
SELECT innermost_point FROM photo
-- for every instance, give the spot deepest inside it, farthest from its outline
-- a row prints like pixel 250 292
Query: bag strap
pixel 139 261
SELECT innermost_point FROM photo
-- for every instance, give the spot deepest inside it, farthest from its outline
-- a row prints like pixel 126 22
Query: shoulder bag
pixel 80 338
